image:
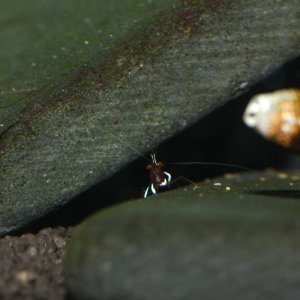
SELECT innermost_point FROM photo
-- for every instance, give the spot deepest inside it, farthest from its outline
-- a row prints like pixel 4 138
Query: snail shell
pixel 276 116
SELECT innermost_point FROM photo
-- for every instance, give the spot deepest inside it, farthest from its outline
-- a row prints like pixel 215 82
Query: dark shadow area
pixel 291 194
pixel 221 137
pixel 122 186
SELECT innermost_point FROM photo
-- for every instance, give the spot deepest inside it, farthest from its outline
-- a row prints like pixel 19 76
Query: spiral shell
pixel 276 116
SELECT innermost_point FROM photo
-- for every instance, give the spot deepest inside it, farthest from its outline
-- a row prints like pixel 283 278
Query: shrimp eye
pixel 160 163
pixel 149 167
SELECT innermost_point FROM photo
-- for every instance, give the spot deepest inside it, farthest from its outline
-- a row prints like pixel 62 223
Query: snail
pixel 276 116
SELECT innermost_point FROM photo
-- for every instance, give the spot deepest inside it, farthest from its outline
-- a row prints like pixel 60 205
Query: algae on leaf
pixel 45 45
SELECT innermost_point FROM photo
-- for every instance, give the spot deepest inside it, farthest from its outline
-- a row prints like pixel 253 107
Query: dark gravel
pixel 31 264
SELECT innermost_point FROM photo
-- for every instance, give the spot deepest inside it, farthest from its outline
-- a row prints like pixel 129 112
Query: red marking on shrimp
pixel 158 177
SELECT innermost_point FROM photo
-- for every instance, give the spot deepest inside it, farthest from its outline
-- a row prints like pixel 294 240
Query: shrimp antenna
pixel 131 148
pixel 212 164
